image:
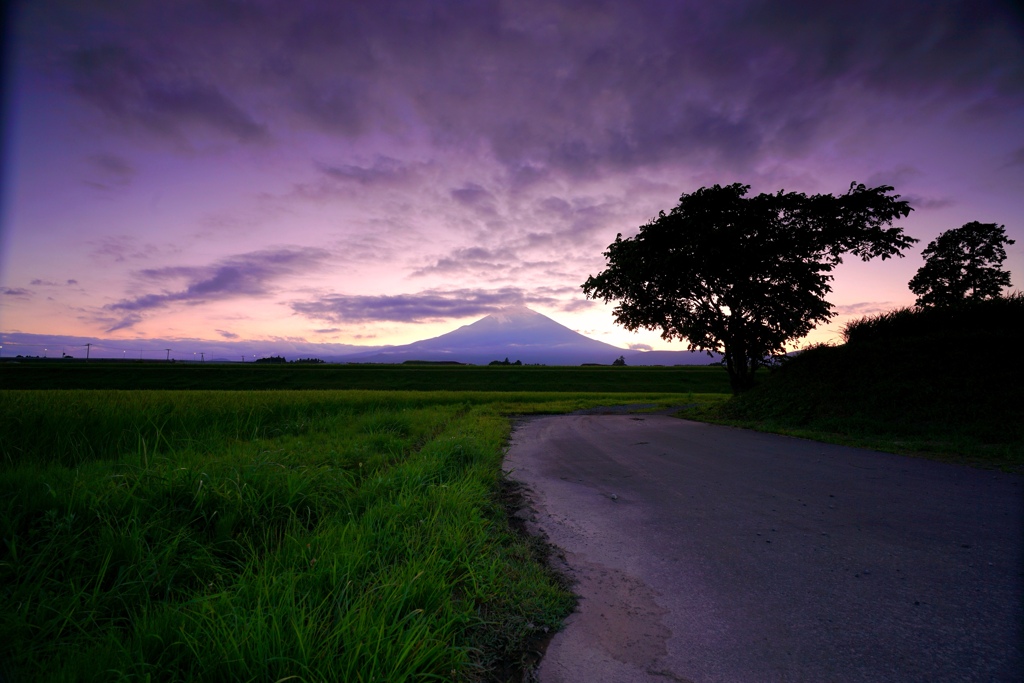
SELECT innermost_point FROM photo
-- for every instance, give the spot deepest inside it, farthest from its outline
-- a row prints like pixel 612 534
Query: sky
pixel 375 173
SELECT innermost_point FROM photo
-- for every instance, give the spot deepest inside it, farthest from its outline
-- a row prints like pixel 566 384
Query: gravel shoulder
pixel 707 553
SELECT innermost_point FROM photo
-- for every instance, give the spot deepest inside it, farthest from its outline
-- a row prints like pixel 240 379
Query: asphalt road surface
pixel 705 553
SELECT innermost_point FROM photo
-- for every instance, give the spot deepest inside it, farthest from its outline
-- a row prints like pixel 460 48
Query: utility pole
pixel 168 354
pixel 88 349
pixel 202 357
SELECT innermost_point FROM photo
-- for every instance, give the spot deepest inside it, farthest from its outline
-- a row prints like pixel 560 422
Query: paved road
pixel 705 553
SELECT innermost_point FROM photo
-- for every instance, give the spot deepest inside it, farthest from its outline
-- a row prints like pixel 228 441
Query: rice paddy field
pixel 56 373
pixel 201 535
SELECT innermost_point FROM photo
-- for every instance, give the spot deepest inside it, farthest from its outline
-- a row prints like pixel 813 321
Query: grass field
pixel 226 522
pixel 78 374
pixel 271 535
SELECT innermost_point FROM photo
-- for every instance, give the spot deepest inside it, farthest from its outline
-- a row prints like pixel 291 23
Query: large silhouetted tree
pixel 744 276
pixel 962 264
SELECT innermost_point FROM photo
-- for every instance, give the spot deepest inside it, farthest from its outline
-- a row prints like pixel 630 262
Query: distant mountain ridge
pixel 516 333
pixel 520 333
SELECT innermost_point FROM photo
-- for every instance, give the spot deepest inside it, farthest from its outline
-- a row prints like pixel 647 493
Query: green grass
pixel 946 446
pixel 307 536
pixel 78 374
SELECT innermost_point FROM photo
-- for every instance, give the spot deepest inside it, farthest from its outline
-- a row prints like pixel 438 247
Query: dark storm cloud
pixel 909 48
pixel 342 181
pixel 921 203
pixel 121 248
pixel 423 307
pixel 576 87
pixel 485 263
pixel 532 235
pixel 244 275
pixel 459 260
pixel 903 175
pixel 124 322
pixel 129 88
pixel 384 170
pixel 474 196
pixel 109 171
pixel 338 107
pixel 896 177
pixel 203 103
pixel 427 306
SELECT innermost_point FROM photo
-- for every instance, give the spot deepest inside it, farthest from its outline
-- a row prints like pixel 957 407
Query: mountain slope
pixel 518 333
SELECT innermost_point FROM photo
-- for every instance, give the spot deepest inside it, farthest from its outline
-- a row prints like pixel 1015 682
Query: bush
pixel 944 376
pixel 1001 315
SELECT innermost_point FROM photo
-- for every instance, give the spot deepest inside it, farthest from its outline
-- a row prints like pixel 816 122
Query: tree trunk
pixel 739 367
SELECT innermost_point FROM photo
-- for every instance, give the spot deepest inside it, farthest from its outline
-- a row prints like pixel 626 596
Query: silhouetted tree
pixel 744 276
pixel 621 360
pixel 962 264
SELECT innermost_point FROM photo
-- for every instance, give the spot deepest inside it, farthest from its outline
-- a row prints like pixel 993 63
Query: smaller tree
pixel 962 264
pixel 620 361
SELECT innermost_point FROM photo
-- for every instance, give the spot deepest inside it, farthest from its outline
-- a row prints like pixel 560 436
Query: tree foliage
pixel 963 264
pixel 744 276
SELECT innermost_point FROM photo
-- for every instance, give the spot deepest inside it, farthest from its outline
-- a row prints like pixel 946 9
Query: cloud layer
pixel 425 306
pixel 574 87
pixel 243 276
pixel 429 161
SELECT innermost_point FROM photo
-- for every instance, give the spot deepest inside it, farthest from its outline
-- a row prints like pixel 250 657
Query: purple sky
pixel 380 172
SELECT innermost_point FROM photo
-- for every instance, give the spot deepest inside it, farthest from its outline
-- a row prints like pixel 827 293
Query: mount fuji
pixel 520 333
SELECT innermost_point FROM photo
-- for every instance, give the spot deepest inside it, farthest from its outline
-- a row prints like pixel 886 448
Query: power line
pixel 105 351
